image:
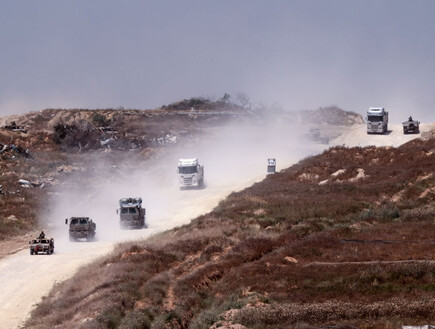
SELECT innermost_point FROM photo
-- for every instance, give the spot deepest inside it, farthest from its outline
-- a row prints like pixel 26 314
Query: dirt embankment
pixel 272 254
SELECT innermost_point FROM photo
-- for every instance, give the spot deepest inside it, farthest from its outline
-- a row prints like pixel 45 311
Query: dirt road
pixel 24 279
pixel 357 136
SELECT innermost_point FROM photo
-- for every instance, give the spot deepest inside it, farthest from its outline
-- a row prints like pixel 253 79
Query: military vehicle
pixel 41 245
pixel 131 213
pixel 190 173
pixel 411 126
pixel 81 228
pixel 377 120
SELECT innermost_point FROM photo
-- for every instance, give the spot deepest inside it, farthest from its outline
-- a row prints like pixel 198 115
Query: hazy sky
pixel 143 54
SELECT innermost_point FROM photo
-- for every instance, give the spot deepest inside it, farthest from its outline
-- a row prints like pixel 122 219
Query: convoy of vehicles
pixel 131 213
pixel 377 120
pixel 411 126
pixel 190 173
pixel 81 228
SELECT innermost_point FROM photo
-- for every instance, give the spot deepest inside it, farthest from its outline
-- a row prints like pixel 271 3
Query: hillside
pixel 344 239
pixel 40 152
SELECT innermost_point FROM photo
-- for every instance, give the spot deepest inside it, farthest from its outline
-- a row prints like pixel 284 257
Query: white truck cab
pixel 190 173
pixel 377 120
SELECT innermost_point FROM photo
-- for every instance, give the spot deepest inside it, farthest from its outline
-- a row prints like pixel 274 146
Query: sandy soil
pixel 357 136
pixel 24 279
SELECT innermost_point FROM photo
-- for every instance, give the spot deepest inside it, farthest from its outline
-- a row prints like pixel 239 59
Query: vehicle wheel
pixel 31 252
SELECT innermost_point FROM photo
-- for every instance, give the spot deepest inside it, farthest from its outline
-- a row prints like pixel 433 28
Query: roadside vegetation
pixel 341 239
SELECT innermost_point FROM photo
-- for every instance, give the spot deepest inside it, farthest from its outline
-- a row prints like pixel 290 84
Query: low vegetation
pixel 342 239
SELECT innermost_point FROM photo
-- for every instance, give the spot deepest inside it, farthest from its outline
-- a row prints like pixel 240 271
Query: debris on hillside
pixel 168 139
pixel 41 183
pixel 14 127
pixel 10 150
pixel 25 183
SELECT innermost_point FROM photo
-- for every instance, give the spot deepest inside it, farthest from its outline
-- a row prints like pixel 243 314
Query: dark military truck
pixel 131 213
pixel 42 245
pixel 81 228
pixel 411 126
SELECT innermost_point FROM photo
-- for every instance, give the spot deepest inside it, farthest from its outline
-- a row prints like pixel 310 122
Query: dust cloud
pixel 234 157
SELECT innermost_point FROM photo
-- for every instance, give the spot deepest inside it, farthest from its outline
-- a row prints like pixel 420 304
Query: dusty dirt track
pixel 24 279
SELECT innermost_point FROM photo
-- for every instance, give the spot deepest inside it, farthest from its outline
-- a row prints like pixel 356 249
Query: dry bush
pixel 155 289
pixel 334 311
pixel 135 320
pixel 426 212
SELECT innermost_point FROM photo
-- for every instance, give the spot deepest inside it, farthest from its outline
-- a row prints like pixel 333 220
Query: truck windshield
pixel 187 170
pixel 125 211
pixel 374 118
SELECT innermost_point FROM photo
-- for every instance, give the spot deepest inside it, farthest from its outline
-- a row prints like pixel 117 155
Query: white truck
pixel 377 120
pixel 190 173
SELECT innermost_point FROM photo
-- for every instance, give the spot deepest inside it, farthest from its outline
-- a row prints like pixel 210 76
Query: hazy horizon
pixel 296 55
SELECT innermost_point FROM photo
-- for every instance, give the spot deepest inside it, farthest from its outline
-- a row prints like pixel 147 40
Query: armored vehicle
pixel 131 213
pixel 41 245
pixel 377 120
pixel 411 126
pixel 81 228
pixel 190 173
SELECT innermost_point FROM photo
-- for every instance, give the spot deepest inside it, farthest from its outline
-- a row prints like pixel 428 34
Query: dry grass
pixel 342 253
